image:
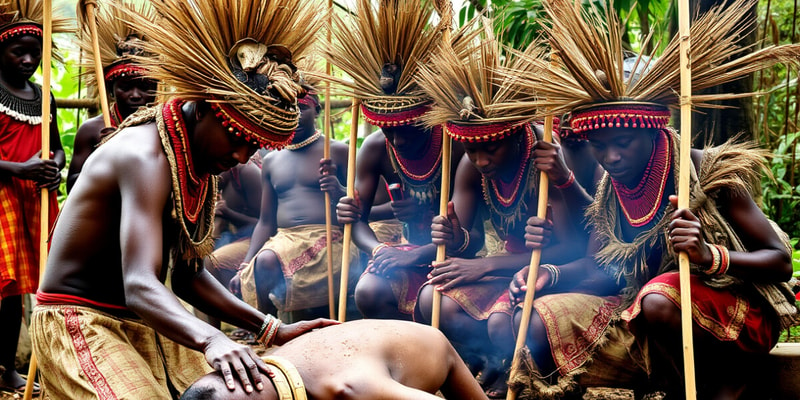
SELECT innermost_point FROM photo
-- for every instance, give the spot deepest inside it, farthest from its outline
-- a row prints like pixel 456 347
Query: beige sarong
pixel 84 353
pixel 302 253
pixel 388 231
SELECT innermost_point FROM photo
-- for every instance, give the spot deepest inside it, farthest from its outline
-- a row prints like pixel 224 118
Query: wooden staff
pixel 533 269
pixel 683 196
pixel 348 228
pixel 327 154
pixel 445 9
pixel 89 6
pixel 44 228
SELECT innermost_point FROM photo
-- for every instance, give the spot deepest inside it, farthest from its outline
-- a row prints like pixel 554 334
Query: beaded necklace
pixel 194 196
pixel 505 200
pixel 641 203
pixel 23 110
pixel 311 139
pixel 421 178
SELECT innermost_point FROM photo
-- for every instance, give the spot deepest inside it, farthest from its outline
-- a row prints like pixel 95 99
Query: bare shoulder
pixel 90 130
pixel 697 159
pixel 134 154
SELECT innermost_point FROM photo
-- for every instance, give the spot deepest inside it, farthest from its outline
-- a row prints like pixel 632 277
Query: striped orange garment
pixel 20 204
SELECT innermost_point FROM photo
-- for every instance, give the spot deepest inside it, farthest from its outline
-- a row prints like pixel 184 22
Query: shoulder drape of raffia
pixel 194 38
pixel 111 32
pixel 19 11
pixel 395 32
pixel 588 43
pixel 466 84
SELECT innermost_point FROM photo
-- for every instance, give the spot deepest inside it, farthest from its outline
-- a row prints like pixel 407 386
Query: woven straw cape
pixel 118 40
pixel 239 55
pixel 471 97
pixel 592 79
pixel 380 47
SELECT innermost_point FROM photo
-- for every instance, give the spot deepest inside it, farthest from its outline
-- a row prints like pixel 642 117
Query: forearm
pixel 765 266
pixel 9 168
pixel 209 296
pixel 60 158
pixel 426 254
pixel 381 212
pixel 563 252
pixel 364 237
pixel 162 311
pixel 506 265
pixel 585 276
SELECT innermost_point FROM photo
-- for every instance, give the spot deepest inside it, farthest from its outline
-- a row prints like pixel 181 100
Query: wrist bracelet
pixel 378 248
pixel 568 183
pixel 466 241
pixel 725 259
pixel 269 329
pixel 554 273
pixel 716 261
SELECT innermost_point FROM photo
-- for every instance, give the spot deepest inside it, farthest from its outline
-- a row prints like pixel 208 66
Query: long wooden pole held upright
pixel 327 155
pixel 533 269
pixel 44 228
pixel 446 13
pixel 91 17
pixel 683 196
pixel 348 228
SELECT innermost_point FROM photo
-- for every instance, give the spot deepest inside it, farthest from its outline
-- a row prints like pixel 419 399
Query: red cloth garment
pixel 729 316
pixel 20 205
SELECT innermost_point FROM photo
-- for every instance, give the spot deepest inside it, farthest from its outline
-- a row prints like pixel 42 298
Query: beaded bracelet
pixel 466 241
pixel 555 273
pixel 269 329
pixel 568 183
pixel 716 260
pixel 378 248
pixel 725 259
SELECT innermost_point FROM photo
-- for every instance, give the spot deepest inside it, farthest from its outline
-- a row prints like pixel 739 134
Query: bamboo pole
pixel 683 196
pixel 445 9
pixel 47 50
pixel 533 269
pixel 327 155
pixel 348 228
pixel 98 64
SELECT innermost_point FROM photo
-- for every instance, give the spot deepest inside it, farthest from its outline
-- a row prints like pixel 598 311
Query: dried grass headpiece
pixel 592 83
pixel 239 55
pixel 24 17
pixel 118 40
pixel 381 48
pixel 471 96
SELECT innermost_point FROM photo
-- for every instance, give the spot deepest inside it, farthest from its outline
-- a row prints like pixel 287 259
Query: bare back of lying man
pixel 365 359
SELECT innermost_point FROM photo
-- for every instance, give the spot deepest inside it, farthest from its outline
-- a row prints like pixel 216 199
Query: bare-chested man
pixel 366 359
pixel 286 266
pixel 106 325
pixel 123 78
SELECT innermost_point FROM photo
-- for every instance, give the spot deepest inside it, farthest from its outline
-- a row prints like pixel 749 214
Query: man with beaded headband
pixel 106 326
pixel 381 48
pixel 22 171
pixel 124 80
pixel 740 260
pixel 498 175
pixel 285 267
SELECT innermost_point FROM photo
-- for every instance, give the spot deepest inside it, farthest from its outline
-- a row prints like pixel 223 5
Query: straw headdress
pixel 118 39
pixel 239 55
pixel 381 48
pixel 594 80
pixel 471 98
pixel 24 17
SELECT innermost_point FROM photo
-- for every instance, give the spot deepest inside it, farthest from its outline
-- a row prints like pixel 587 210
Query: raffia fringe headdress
pixel 602 88
pixel 24 17
pixel 471 97
pixel 118 40
pixel 380 48
pixel 239 55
